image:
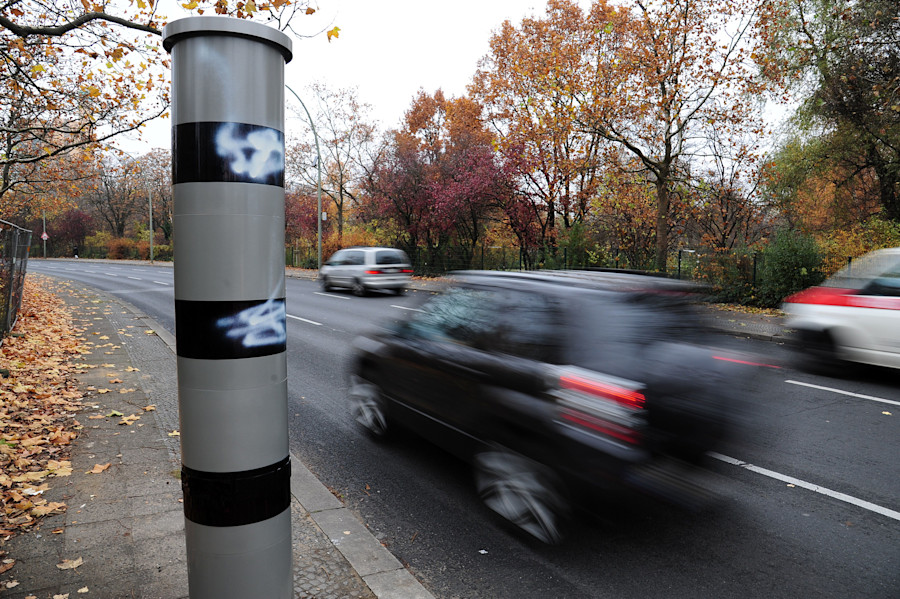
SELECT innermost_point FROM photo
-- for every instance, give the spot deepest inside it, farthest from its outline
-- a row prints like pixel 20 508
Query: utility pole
pixel 228 191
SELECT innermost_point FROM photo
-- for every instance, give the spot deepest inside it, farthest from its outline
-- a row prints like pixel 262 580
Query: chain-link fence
pixel 14 244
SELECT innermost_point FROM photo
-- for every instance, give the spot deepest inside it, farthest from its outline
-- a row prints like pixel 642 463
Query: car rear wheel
pixel 326 285
pixel 523 492
pixel 368 408
pixel 359 289
pixel 817 352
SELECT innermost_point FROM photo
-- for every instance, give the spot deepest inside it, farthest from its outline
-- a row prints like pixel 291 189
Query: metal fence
pixel 14 244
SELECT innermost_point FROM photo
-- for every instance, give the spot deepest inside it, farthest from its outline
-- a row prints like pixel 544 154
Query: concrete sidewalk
pixel 123 532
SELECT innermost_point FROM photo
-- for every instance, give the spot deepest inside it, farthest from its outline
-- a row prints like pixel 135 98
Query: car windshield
pixel 460 315
pixel 861 271
pixel 390 257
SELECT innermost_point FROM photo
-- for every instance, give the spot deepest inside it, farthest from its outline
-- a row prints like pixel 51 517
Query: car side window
pixel 337 258
pixel 528 325
pixel 354 258
pixel 886 283
pixel 464 316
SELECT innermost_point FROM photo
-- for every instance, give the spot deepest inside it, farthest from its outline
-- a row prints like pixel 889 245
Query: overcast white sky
pixel 388 50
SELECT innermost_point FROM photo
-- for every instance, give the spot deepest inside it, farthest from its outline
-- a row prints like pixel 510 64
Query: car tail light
pixel 407 271
pixel 599 404
pixel 823 296
pixel 373 272
pixel 602 388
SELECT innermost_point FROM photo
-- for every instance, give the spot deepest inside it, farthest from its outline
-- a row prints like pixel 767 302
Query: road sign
pixel 44 236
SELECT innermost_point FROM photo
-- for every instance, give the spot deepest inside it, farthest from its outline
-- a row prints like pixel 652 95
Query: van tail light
pixel 599 404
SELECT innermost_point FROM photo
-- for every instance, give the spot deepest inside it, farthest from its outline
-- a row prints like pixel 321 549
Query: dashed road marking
pixel 842 392
pixel 407 308
pixel 867 505
pixel 318 324
pixel 343 297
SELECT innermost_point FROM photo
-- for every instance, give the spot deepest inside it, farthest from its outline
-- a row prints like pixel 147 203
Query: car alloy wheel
pixel 326 286
pixel 367 406
pixel 523 492
pixel 359 289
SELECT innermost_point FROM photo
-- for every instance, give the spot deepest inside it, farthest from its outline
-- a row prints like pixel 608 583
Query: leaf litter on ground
pixel 39 402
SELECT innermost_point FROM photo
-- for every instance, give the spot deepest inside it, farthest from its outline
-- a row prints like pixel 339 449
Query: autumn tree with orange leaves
pixel 646 79
pixel 527 85
pixel 667 72
pixel 77 73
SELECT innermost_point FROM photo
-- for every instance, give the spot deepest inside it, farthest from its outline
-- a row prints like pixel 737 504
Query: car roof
pixel 371 247
pixel 888 251
pixel 584 279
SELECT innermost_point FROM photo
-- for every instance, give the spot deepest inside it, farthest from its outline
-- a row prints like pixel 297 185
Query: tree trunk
pixel 662 221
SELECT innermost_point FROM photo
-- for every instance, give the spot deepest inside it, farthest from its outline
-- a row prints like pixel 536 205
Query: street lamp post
pixel 150 200
pixel 318 181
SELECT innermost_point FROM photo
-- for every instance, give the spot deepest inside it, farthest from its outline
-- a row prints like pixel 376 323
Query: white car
pixel 362 269
pixel 853 316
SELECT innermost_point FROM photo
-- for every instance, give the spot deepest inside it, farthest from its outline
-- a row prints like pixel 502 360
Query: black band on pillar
pixel 229 330
pixel 211 152
pixel 236 498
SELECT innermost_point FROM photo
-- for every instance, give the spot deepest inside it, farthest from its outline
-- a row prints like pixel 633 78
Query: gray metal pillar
pixel 228 187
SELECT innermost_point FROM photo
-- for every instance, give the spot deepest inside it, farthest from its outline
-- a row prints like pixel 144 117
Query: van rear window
pixel 391 257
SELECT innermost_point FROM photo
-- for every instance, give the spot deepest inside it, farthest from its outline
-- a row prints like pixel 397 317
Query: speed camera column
pixel 228 187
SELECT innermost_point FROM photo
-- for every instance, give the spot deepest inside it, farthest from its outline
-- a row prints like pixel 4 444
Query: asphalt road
pixel 811 490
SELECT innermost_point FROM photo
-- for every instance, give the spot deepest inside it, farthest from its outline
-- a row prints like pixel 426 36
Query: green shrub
pixel 790 263
pixel 162 252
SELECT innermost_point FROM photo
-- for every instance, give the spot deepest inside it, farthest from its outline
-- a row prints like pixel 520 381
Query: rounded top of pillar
pixel 217 25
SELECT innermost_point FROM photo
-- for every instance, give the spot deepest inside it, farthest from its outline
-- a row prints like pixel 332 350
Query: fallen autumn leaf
pixel 68 564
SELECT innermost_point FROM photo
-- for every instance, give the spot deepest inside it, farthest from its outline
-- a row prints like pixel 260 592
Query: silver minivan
pixel 362 269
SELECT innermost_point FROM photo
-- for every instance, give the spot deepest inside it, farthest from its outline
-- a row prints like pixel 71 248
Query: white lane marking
pixel 111 274
pixel 857 395
pixel 329 295
pixel 802 483
pixel 407 308
pixel 161 283
pixel 132 291
pixel 136 278
pixel 318 324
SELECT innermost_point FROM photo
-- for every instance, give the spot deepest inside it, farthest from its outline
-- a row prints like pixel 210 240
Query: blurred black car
pixel 555 385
